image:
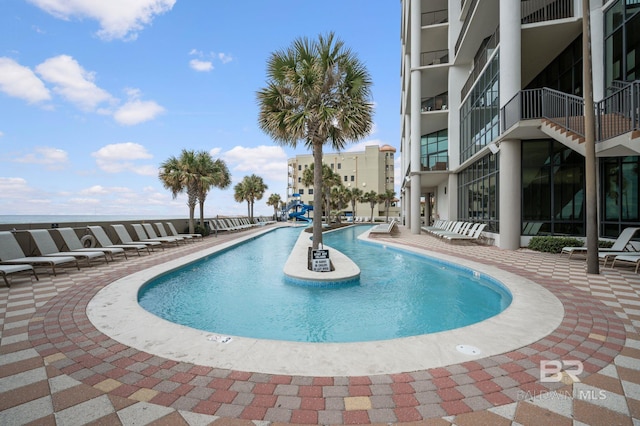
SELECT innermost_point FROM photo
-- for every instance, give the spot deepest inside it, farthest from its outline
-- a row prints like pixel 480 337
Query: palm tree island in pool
pixel 317 92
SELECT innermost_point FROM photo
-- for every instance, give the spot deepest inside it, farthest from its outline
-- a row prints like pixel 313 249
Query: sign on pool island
pixel 320 261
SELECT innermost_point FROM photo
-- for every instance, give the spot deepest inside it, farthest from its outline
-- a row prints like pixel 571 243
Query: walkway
pixel 56 368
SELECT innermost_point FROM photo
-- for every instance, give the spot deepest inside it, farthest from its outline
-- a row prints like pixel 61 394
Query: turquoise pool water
pixel 242 292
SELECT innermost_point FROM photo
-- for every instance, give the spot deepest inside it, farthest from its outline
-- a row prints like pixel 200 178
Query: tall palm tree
pixel 274 200
pixel 213 173
pixel 240 192
pixel 355 195
pixel 387 198
pixel 251 188
pixel 180 174
pixel 371 197
pixel 339 200
pixel 317 92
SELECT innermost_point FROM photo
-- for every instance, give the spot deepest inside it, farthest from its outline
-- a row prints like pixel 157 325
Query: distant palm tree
pixel 330 179
pixel 274 200
pixel 372 198
pixel 387 197
pixel 354 197
pixel 181 175
pixel 339 200
pixel 317 92
pixel 213 173
pixel 251 188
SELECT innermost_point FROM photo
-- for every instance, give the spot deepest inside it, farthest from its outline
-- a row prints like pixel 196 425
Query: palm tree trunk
pixel 317 194
pixel 202 214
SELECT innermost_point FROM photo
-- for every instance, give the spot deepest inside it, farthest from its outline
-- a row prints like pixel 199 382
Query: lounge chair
pixel 11 254
pixel 627 258
pixel 47 247
pixel 12 269
pixel 125 238
pixel 73 243
pixel 173 232
pixel 383 228
pixel 621 244
pixel 469 237
pixel 152 235
pixel 143 236
pixel 104 241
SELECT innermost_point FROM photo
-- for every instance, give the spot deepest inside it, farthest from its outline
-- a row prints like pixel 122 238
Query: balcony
pixel 434 57
pixel 435 103
pixel 434 18
pixel 533 11
pixel 436 162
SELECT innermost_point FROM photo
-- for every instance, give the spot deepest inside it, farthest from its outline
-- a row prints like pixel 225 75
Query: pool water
pixel 242 292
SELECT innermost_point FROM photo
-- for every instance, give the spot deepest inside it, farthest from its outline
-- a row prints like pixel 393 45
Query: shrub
pixel 553 244
pixel 202 230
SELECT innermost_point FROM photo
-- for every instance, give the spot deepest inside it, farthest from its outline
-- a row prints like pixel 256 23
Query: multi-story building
pixel 368 170
pixel 493 121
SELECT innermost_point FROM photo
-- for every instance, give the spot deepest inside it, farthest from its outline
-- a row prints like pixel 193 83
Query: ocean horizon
pixel 22 219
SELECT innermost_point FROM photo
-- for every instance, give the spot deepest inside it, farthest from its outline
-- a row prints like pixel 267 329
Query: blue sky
pixel 95 94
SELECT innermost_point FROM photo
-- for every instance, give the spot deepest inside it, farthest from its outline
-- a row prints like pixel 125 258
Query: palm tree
pixel 181 175
pixel 330 179
pixel 274 200
pixel 317 92
pixel 213 173
pixel 251 188
pixel 387 198
pixel 240 194
pixel 354 197
pixel 339 200
pixel 372 198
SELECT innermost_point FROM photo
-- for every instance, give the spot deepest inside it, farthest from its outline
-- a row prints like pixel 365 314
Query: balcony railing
pixel 435 17
pixel 434 162
pixel 465 24
pixel 436 103
pixel 615 115
pixel 480 60
pixel 545 10
pixel 434 57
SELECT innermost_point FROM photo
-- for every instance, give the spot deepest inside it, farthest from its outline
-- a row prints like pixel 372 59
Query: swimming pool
pixel 242 292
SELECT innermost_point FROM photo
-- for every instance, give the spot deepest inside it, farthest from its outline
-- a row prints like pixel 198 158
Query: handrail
pixel 533 11
pixel 615 115
pixel 434 57
pixel 434 17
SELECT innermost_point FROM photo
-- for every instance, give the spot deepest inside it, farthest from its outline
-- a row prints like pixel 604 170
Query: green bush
pixel 605 244
pixel 553 244
pixel 202 230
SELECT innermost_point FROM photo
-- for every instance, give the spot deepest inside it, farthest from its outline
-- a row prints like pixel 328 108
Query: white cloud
pixel 361 145
pixel 215 151
pixel 73 82
pixel 199 65
pixel 119 19
pixel 52 158
pixel 121 157
pixel 136 111
pixel 269 162
pixel 1 134
pixel 13 186
pixel 20 82
pixel 224 58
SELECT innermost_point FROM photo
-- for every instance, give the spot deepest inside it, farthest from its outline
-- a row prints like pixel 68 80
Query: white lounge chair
pixel 627 258
pixel 173 232
pixel 125 238
pixel 621 244
pixel 470 237
pixel 12 254
pixel 47 247
pixel 383 228
pixel 143 236
pixel 12 269
pixel 73 243
pixel 104 241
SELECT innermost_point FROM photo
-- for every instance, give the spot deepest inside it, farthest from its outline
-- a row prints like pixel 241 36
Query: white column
pixel 415 101
pixel 510 157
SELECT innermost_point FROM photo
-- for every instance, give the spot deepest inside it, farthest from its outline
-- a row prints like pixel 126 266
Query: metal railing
pixel 465 24
pixel 434 57
pixel 480 60
pixel 545 10
pixel 615 115
pixel 435 103
pixel 435 17
pixel 435 162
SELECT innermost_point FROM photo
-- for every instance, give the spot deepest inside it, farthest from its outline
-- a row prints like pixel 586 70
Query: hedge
pixel 555 244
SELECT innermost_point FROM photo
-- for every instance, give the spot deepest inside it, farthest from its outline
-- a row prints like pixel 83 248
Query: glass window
pixel 301 191
pixel 478 193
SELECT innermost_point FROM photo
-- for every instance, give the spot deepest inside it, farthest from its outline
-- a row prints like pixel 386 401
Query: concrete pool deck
pixel 57 367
